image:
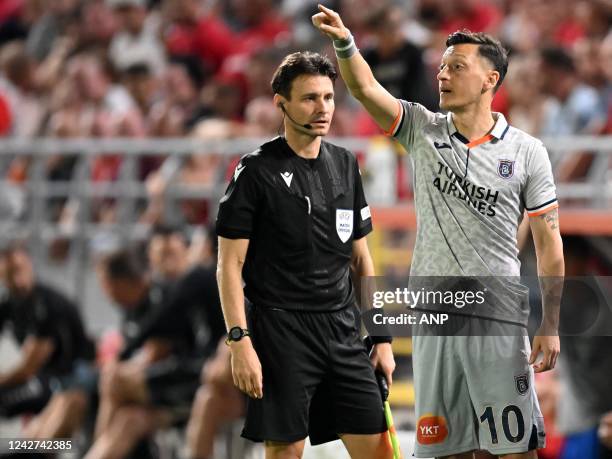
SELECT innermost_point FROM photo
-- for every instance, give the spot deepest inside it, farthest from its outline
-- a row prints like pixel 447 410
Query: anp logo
pixel 431 429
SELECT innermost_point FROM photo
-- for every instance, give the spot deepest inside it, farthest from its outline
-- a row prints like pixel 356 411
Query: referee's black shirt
pixel 301 217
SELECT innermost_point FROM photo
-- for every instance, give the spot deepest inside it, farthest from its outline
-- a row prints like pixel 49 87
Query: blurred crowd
pixel 202 68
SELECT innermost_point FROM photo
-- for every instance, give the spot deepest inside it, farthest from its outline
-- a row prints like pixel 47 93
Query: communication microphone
pixel 307 125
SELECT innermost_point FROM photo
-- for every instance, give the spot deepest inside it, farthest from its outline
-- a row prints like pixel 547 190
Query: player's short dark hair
pixel 488 47
pixel 298 64
pixel 125 264
pixel 557 58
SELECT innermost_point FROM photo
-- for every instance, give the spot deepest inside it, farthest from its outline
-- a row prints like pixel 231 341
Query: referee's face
pixel 465 77
pixel 312 102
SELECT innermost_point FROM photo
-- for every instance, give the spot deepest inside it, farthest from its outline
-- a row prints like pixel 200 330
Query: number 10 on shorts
pixel 512 435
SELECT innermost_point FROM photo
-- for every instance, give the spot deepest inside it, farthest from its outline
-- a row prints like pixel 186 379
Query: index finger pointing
pixel 326 9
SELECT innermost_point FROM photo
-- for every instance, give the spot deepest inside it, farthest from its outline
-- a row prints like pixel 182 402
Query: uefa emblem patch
pixel 522 383
pixel 344 224
pixel 505 168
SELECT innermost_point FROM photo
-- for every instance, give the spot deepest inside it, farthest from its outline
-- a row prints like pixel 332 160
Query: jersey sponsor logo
pixel 522 383
pixel 287 177
pixel 480 198
pixel 365 213
pixel 441 145
pixel 238 171
pixel 505 168
pixel 344 224
pixel 431 429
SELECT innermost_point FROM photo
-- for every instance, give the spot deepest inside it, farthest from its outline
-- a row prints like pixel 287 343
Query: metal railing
pixel 595 191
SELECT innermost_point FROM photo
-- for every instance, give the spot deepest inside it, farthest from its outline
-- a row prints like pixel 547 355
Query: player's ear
pixel 492 79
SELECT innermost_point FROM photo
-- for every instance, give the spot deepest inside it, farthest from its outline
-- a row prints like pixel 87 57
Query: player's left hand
pixel 383 360
pixel 550 347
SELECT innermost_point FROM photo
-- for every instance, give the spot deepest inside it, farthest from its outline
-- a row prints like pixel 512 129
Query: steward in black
pixel 301 216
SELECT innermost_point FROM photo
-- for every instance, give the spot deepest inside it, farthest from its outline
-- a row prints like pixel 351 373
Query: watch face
pixel 236 333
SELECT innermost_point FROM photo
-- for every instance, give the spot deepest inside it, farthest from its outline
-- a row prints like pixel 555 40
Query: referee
pixel 292 225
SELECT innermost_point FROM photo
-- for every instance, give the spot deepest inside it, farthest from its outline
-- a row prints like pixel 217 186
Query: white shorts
pixel 475 392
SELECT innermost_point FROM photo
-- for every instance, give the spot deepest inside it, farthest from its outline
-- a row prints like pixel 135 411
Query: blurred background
pixel 118 117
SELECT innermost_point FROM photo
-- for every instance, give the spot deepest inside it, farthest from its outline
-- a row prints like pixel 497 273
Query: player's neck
pixel 303 145
pixel 474 122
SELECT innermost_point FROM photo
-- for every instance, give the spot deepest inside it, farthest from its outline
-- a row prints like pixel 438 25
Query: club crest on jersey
pixel 344 224
pixel 505 168
pixel 522 383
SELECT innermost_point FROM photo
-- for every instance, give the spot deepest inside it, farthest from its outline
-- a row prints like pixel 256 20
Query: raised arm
pixel 356 72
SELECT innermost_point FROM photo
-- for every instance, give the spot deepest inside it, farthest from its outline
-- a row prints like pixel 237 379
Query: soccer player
pixel 474 177
pixel 292 224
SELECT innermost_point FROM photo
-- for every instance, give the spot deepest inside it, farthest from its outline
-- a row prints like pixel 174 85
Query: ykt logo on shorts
pixel 431 429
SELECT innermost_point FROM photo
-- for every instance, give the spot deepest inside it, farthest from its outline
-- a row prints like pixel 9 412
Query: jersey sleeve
pixel 238 206
pixel 539 194
pixel 412 117
pixel 362 220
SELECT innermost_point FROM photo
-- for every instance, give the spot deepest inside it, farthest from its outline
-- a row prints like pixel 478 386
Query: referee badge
pixel 505 168
pixel 344 224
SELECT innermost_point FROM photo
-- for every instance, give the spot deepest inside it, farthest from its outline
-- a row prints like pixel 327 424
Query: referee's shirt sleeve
pixel 361 212
pixel 238 206
pixel 539 193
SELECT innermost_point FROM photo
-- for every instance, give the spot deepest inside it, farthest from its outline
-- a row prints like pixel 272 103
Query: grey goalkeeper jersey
pixel 470 196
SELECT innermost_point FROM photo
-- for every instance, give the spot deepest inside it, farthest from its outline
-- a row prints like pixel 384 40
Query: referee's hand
pixel 246 368
pixel 383 360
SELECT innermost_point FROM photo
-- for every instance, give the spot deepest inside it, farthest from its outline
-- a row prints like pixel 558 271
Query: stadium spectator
pixel 257 25
pixel 526 104
pixel 398 64
pixel 18 86
pixel 137 41
pixel 480 15
pixel 97 26
pixel 575 107
pixel 54 375
pixel 585 54
pixel 59 18
pixel 196 32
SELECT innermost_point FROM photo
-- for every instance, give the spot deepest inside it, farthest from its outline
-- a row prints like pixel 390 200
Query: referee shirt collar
pixel 499 129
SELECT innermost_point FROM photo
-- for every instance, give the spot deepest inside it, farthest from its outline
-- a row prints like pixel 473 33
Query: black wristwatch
pixel 236 334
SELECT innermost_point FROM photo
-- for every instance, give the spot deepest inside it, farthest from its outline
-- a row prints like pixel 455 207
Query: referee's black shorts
pixel 317 377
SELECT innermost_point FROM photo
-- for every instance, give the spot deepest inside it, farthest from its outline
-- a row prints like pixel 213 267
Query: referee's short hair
pixel 297 64
pixel 488 47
